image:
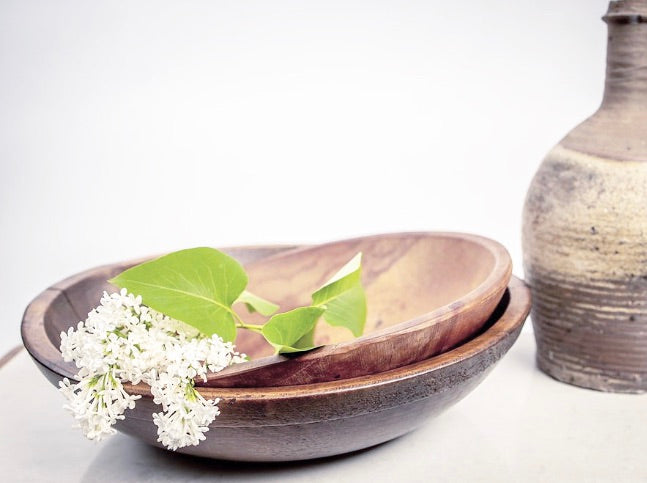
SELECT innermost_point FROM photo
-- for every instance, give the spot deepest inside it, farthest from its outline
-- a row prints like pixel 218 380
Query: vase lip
pixel 626 12
pixel 624 18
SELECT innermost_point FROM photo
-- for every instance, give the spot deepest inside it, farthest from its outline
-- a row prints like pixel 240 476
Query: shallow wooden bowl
pixel 427 293
pixel 324 419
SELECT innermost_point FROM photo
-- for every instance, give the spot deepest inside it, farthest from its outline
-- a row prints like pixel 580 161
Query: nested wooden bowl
pixel 427 293
pixel 304 421
pixel 324 419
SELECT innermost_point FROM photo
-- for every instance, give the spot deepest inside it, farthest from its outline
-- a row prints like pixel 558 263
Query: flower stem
pixel 252 327
pixel 240 324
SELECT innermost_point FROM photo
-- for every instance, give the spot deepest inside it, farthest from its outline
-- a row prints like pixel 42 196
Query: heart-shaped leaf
pixel 197 286
pixel 293 331
pixel 254 303
pixel 343 298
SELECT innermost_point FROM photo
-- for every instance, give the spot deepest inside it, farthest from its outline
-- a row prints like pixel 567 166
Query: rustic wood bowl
pixel 427 293
pixel 312 420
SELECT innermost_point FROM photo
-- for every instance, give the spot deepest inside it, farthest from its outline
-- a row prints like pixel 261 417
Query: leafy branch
pixel 199 287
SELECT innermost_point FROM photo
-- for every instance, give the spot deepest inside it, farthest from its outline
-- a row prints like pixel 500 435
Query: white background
pixel 133 128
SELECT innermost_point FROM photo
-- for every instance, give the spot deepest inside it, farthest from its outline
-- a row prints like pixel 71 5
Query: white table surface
pixel 518 425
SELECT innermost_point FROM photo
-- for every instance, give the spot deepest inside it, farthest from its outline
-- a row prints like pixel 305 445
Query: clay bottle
pixel 585 228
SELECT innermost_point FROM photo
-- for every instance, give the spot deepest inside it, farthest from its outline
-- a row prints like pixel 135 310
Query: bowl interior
pixel 404 275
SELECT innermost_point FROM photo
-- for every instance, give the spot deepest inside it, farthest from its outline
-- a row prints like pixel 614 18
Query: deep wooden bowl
pixel 427 293
pixel 324 419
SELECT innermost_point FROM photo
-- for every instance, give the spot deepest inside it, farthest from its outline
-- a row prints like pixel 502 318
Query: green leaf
pixel 254 303
pixel 197 286
pixel 293 331
pixel 348 310
pixel 343 298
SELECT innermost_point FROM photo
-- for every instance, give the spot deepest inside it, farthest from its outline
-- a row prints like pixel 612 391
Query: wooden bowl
pixel 324 419
pixel 427 293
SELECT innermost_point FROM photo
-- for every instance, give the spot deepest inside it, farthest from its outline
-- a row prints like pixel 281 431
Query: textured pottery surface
pixel 311 420
pixel 585 229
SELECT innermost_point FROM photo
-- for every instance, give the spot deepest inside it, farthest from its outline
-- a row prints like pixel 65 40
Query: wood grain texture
pixel 585 229
pixel 324 419
pixel 427 293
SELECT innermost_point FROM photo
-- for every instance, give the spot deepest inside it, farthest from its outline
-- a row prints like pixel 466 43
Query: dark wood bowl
pixel 324 419
pixel 427 293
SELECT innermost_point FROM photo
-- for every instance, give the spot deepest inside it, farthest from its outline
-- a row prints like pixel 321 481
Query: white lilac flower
pixel 186 414
pixel 125 341
pixel 97 403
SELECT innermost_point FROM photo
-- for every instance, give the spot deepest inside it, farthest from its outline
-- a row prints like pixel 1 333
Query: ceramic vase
pixel 585 228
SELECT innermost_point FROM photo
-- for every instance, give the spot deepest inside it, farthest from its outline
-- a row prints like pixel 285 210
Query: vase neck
pixel 618 130
pixel 626 77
